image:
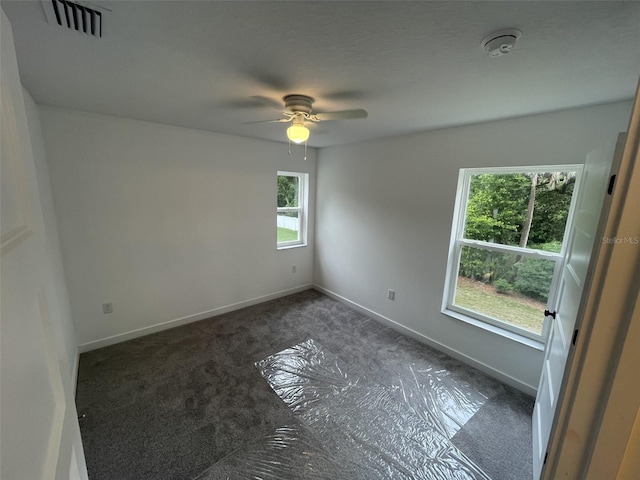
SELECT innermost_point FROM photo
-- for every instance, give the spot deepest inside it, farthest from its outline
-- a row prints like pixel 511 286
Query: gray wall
pixel 384 213
pixel 169 224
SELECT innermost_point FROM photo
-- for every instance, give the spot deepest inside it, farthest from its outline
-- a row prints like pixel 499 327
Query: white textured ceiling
pixel 413 66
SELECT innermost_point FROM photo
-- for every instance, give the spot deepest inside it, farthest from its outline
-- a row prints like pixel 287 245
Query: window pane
pixel 504 286
pixel 525 209
pixel 288 227
pixel 288 191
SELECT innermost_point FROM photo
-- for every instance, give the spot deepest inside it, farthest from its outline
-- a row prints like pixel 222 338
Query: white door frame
pixel 597 421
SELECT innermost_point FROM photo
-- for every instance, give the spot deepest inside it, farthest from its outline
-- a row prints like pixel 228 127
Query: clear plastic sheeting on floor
pixel 353 428
pixel 358 421
pixel 437 397
pixel 291 452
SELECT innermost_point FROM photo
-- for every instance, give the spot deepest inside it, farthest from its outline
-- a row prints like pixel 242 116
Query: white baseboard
pixel 123 337
pixel 140 332
pixel 483 367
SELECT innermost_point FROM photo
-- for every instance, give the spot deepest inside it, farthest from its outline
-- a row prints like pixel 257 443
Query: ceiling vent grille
pixel 74 16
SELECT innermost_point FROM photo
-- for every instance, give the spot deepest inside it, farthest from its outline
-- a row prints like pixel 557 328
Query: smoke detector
pixel 501 42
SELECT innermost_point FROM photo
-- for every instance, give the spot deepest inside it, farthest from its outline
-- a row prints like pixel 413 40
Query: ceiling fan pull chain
pixel 305 150
pixel 289 147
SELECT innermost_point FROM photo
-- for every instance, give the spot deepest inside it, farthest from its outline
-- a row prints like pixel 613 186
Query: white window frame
pixel 458 241
pixel 301 209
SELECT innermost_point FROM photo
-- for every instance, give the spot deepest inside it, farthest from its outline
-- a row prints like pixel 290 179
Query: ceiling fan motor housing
pixel 298 103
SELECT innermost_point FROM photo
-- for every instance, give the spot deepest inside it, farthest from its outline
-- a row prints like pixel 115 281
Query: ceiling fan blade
pixel 268 102
pixel 341 115
pixel 276 120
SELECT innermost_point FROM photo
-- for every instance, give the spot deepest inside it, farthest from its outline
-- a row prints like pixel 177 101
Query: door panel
pixel 578 247
pixel 539 432
pixel 31 389
pixel 32 393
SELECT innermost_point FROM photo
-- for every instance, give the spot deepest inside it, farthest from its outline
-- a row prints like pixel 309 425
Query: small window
pixel 291 218
pixel 506 248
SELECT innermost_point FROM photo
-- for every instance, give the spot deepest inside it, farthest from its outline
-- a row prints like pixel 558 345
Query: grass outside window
pixel 286 235
pixel 511 307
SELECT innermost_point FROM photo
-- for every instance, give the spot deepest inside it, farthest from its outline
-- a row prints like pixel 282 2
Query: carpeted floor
pixel 172 405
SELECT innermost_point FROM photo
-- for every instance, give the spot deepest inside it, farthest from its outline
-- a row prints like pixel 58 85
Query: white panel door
pixel 579 244
pixel 32 394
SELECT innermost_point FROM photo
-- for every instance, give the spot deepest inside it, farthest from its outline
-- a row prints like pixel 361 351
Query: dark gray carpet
pixel 172 404
pixel 504 420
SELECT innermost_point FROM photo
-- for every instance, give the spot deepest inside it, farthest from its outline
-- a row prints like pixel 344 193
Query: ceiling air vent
pixel 75 16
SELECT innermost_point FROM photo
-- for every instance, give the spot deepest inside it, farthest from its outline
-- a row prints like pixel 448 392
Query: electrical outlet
pixel 391 294
pixel 107 308
pixel 294 269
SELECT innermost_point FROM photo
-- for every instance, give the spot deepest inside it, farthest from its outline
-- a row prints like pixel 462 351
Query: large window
pixel 506 247
pixel 291 218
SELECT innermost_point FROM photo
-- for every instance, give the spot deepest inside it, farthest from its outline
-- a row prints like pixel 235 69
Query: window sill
pixel 288 247
pixel 529 342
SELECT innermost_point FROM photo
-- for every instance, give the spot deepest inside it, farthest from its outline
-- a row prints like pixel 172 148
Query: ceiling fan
pixel 298 111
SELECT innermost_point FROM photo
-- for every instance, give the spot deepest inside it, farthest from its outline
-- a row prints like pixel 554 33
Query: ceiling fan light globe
pixel 298 133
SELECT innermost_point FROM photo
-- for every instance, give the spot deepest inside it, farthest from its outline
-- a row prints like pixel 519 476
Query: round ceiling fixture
pixel 298 112
pixel 501 42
